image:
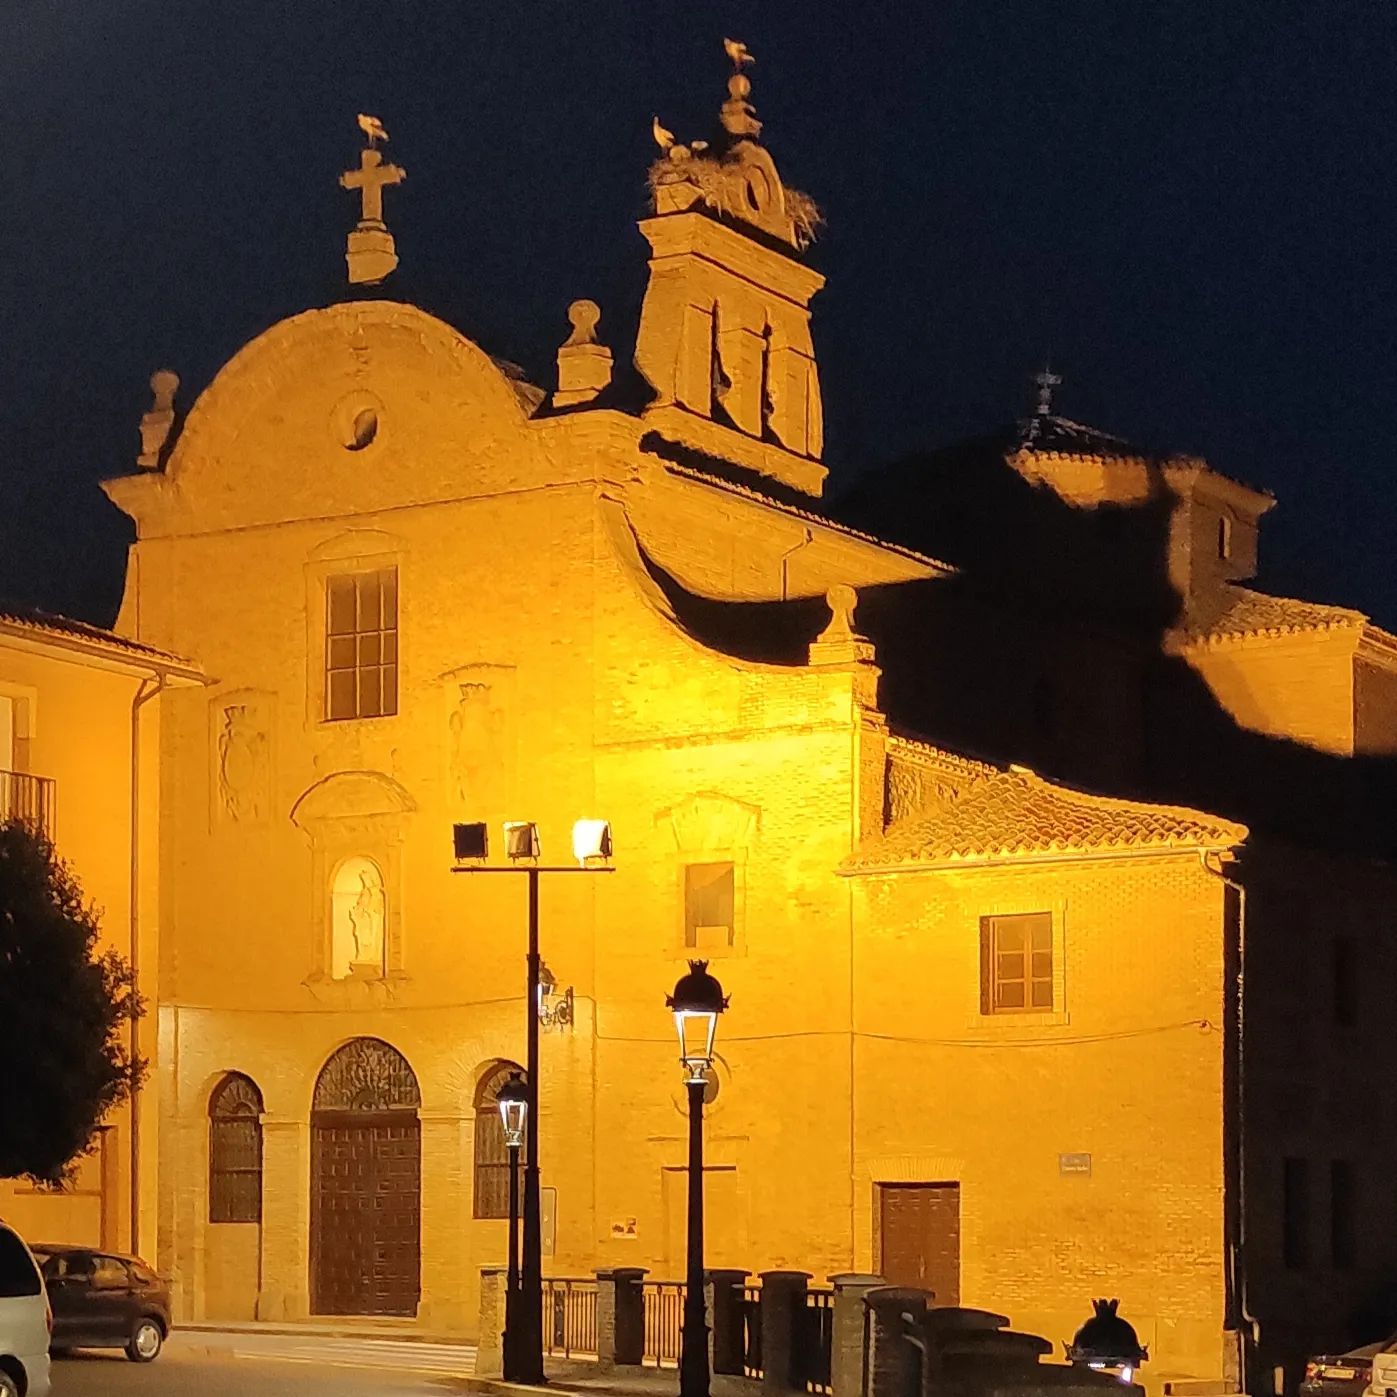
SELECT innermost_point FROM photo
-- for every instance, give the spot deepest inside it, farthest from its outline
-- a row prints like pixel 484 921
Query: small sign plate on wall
pixel 1074 1164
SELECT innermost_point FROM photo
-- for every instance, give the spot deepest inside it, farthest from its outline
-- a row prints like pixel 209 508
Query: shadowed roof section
pixel 1015 813
pixel 1250 613
pixel 48 622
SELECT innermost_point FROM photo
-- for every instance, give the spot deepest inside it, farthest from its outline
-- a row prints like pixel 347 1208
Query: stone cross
pixel 1046 380
pixel 369 180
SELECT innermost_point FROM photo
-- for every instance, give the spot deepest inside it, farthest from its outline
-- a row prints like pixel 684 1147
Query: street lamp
pixel 513 1101
pixel 697 1001
pixel 523 848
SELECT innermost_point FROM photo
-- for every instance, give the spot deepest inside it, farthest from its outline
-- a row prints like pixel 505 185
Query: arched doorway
pixel 366 1172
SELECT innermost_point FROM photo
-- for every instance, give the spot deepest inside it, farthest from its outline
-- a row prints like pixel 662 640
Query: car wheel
pixel 8 1386
pixel 146 1339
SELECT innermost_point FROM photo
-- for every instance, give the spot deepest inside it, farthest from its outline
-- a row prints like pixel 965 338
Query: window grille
pixel 361 644
pixel 1016 963
pixel 235 1151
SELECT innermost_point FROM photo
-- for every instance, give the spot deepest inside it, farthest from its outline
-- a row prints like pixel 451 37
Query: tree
pixel 64 1003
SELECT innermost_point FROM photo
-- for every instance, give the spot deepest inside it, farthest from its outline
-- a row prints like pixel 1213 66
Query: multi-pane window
pixel 1016 963
pixel 361 644
pixel 708 904
pixel 235 1151
pixel 491 1152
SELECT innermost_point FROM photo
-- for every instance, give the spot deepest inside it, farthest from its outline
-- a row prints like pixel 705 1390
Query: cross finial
pixel 371 254
pixel 1046 380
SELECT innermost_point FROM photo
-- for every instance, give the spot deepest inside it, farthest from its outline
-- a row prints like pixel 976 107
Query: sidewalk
pixel 403 1331
pixel 578 1375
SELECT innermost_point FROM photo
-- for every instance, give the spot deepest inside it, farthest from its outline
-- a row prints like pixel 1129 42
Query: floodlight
pixel 591 839
pixel 521 839
pixel 471 841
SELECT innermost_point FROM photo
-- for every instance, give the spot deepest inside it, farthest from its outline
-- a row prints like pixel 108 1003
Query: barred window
pixel 361 644
pixel 1016 963
pixel 235 1151
pixel 491 1153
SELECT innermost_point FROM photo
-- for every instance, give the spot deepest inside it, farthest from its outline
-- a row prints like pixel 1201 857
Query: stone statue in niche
pixel 358 915
pixel 243 764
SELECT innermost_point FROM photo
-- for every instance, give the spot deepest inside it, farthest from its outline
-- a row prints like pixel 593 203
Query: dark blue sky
pixel 1190 206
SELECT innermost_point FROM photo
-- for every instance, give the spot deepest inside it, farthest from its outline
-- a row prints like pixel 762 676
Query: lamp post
pixel 697 1001
pixel 513 1102
pixel 591 844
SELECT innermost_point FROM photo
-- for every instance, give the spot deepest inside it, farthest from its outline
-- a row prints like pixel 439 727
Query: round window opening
pixel 362 430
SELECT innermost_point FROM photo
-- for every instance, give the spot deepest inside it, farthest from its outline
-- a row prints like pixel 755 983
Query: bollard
pixel 783 1323
pixel 896 1341
pixel 489 1356
pixel 846 1347
pixel 620 1316
pixel 727 1326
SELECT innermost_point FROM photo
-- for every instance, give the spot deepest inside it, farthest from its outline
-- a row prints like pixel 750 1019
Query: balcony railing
pixel 32 799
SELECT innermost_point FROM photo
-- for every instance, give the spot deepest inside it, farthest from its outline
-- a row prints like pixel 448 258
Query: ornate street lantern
pixel 513 1101
pixel 697 1001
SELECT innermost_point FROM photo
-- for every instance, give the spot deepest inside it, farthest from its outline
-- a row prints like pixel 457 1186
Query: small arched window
pixel 235 1151
pixel 491 1154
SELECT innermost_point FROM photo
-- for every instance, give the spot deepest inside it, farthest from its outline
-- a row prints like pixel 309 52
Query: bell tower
pixel 724 334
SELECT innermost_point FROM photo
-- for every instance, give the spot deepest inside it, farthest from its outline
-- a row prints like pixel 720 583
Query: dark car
pixel 1342 1374
pixel 102 1300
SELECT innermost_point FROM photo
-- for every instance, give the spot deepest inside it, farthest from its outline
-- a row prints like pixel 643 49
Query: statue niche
pixel 359 907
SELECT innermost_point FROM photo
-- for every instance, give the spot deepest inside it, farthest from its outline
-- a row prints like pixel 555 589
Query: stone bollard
pixel 727 1329
pixel 783 1323
pixel 896 1327
pixel 846 1346
pixel 489 1355
pixel 620 1316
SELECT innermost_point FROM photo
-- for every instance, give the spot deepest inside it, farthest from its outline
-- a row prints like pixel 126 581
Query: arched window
pixel 235 1151
pixel 491 1155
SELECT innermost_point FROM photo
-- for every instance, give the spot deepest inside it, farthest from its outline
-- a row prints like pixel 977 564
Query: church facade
pixel 984 1030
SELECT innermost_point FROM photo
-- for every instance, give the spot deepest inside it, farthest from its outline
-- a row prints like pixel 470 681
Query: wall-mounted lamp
pixel 553 1008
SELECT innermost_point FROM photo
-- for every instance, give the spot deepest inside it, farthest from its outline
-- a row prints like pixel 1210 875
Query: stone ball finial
pixel 739 86
pixel 842 599
pixel 164 383
pixel 584 316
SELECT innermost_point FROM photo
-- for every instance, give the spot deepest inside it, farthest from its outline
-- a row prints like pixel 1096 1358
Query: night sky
pixel 1189 206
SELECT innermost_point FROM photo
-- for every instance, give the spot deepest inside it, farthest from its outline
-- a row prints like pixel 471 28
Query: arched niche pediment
pixel 356 543
pixel 351 795
pixel 711 821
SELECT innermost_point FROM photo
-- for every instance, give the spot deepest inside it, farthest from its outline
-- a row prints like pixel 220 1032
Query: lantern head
pixel 513 1101
pixel 697 1001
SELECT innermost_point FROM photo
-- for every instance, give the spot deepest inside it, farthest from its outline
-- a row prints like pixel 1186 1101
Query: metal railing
pixel 664 1322
pixel 29 798
pixel 752 1331
pixel 815 1341
pixel 569 1317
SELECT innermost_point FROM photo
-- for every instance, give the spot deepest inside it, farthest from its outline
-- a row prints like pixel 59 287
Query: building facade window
pixel 361 644
pixel 235 1151
pixel 491 1153
pixel 1295 1221
pixel 709 901
pixel 1016 963
pixel 1343 1213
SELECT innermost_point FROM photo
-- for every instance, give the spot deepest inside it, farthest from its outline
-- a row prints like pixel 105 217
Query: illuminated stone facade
pixel 424 591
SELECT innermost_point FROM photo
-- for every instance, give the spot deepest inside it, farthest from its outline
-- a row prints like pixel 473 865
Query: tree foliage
pixel 65 1009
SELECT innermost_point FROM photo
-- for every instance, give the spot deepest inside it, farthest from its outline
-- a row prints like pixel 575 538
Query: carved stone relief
pixel 242 757
pixel 481 746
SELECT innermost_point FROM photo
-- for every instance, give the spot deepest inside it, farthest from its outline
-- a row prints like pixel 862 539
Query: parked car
pixel 1384 1365
pixel 1342 1374
pixel 102 1300
pixel 25 1320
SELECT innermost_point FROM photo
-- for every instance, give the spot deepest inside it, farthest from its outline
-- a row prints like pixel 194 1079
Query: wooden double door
pixel 365 1228
pixel 919 1238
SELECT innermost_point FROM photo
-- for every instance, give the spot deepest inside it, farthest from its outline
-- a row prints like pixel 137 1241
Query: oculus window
pixel 1016 963
pixel 708 905
pixel 361 644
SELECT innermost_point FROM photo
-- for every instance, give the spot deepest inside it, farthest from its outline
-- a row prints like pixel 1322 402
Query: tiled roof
pixel 1015 812
pixel 1249 613
pixel 51 623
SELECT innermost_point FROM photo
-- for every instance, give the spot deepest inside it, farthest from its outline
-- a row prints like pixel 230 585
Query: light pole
pixel 697 1001
pixel 513 1102
pixel 591 845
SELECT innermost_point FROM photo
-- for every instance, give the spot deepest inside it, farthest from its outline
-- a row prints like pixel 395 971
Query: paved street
pixel 221 1365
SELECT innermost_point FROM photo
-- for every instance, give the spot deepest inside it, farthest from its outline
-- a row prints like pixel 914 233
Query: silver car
pixel 25 1321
